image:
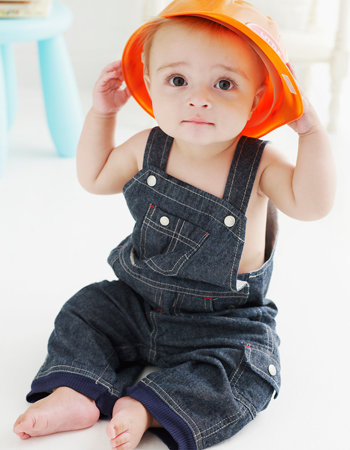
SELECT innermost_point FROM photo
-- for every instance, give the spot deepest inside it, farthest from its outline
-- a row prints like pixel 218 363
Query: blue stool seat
pixel 61 98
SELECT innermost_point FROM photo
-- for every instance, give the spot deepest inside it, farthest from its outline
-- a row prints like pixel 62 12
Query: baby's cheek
pixel 165 113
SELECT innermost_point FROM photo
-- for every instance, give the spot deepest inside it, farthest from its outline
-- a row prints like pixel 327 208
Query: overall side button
pixel 272 370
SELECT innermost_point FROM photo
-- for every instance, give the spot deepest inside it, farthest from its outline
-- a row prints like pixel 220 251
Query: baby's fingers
pixel 111 78
pixel 114 67
pixel 292 70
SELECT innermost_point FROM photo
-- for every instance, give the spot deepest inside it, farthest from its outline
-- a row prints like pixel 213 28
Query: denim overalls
pixel 179 305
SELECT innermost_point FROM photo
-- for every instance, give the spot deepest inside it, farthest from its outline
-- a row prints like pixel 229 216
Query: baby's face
pixel 203 86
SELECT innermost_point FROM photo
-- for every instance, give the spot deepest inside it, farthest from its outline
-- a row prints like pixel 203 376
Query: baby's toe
pixel 22 425
pixel 121 441
pixel 126 446
pixel 116 427
pixel 24 435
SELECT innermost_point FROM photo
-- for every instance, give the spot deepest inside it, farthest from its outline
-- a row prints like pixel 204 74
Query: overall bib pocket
pixel 167 242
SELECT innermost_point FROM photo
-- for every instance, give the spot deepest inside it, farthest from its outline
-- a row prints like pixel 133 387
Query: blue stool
pixel 62 103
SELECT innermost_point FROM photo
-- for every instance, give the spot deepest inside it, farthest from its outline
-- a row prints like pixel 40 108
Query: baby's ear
pixel 147 80
pixel 146 77
pixel 258 96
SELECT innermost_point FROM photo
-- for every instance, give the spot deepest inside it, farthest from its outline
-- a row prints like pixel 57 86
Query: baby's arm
pixel 306 191
pixel 101 167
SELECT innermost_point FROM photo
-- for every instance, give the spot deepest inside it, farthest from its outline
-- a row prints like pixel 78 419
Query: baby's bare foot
pixel 130 421
pixel 63 410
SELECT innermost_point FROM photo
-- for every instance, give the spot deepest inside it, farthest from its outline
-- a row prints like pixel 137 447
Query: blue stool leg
pixel 62 103
pixel 10 83
pixel 3 114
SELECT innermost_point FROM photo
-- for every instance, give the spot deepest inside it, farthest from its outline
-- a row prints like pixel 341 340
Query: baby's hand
pixel 108 98
pixel 308 122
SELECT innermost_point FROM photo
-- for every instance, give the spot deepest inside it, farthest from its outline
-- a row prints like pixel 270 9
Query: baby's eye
pixel 224 85
pixel 177 81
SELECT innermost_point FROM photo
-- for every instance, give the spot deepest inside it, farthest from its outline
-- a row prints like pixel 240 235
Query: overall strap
pixel 243 170
pixel 157 149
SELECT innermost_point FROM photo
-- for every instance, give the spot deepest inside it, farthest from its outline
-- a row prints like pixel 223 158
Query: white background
pixel 55 238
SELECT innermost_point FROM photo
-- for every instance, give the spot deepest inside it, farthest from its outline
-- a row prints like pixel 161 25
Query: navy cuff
pixel 43 386
pixel 176 434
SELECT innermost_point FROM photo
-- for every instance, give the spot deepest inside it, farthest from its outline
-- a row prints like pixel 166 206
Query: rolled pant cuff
pixel 43 386
pixel 176 434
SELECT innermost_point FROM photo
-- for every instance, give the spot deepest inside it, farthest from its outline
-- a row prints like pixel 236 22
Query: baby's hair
pixel 199 23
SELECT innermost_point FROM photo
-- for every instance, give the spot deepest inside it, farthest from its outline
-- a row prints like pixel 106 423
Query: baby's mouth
pixel 197 121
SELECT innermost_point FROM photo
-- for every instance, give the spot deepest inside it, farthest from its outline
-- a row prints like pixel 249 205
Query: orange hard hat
pixel 281 102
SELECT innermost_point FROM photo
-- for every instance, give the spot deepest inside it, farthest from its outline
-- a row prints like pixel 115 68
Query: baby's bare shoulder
pixel 124 161
pixel 273 165
pixel 134 147
pixel 272 154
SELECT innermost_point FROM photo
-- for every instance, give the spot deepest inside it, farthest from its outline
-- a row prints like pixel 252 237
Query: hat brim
pixel 281 102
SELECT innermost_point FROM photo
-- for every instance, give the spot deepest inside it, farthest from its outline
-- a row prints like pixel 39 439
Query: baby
pixel 192 277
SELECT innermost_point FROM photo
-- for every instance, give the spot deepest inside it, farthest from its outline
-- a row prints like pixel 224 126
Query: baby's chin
pixel 202 133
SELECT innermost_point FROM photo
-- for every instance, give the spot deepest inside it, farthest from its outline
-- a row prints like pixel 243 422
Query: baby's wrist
pixel 311 130
pixel 102 114
pixel 307 124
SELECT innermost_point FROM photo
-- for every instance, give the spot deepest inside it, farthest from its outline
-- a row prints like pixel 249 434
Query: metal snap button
pixel 164 220
pixel 151 180
pixel 229 221
pixel 272 370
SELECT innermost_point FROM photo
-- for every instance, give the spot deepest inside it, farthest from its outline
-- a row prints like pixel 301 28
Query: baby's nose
pixel 199 99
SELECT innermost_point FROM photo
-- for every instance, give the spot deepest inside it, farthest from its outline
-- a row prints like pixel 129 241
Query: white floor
pixel 55 238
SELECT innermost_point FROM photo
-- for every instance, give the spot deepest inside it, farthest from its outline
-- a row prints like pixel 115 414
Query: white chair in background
pixel 153 7
pixel 315 44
